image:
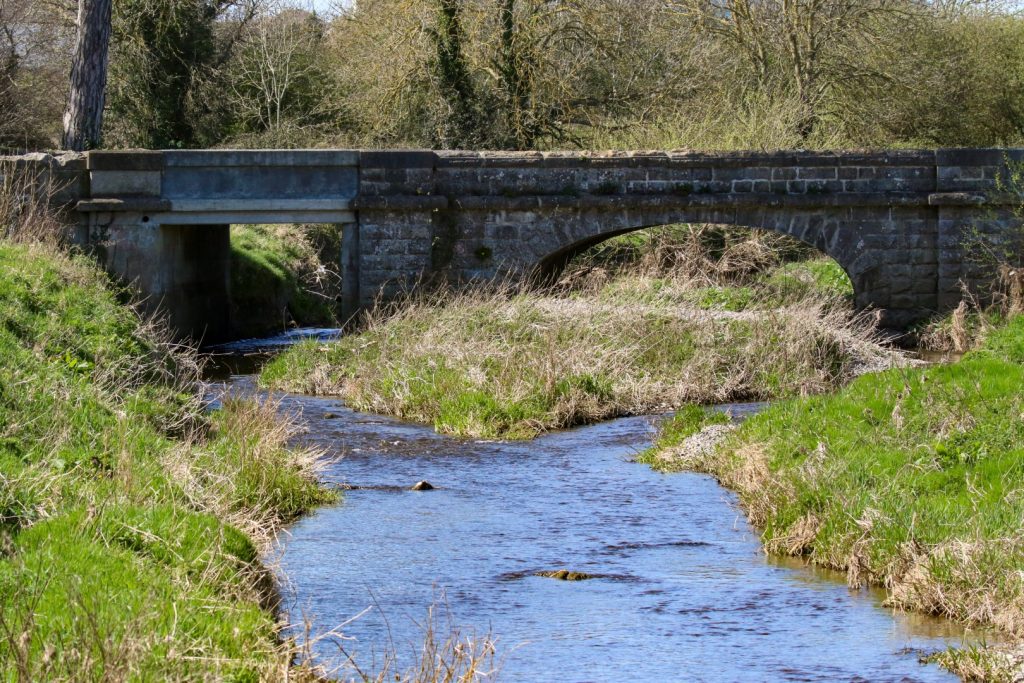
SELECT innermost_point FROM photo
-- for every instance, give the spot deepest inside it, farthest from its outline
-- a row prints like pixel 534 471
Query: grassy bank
pixel 912 479
pixel 129 520
pixel 646 336
pixel 283 276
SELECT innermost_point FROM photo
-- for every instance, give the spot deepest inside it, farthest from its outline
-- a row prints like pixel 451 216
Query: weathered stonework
pixel 896 221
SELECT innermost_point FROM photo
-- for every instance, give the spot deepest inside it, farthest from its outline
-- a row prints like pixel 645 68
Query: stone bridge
pixel 895 221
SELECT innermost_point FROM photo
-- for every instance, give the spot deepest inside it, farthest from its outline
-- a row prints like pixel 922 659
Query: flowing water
pixel 684 591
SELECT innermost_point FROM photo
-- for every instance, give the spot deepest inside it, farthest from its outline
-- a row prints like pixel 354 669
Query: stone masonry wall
pixel 512 214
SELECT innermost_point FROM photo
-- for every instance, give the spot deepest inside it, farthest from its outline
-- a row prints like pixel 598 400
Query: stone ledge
pixel 975 199
pixel 683 159
pixel 967 156
pixel 400 202
pixel 71 162
pixel 957 199
pixel 260 157
pixel 132 204
pixel 128 160
pixel 397 159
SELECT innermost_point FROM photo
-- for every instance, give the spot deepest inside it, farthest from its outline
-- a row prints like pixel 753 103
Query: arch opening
pixel 713 265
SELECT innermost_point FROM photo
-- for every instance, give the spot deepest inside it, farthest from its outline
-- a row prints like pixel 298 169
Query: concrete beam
pixel 248 217
pixel 233 158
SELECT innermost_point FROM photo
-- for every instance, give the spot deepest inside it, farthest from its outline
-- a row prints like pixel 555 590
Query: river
pixel 684 590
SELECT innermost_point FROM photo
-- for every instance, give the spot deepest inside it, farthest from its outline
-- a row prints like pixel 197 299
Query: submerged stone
pixel 566 575
pixel 423 486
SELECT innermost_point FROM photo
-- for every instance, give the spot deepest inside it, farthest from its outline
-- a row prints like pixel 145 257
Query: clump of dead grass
pixel 510 364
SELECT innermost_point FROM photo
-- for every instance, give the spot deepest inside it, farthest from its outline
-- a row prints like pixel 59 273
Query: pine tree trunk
pixel 83 118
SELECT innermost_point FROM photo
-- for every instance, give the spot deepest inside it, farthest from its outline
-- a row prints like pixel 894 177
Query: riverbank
pixel 909 479
pixel 601 345
pixel 283 276
pixel 130 520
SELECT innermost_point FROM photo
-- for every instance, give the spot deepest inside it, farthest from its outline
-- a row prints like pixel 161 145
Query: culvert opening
pixel 285 276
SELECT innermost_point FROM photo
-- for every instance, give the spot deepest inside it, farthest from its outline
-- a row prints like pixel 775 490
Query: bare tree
pixel 273 66
pixel 83 118
pixel 35 47
pixel 815 39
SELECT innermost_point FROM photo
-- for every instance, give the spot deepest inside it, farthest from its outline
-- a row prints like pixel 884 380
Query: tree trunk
pixel 83 118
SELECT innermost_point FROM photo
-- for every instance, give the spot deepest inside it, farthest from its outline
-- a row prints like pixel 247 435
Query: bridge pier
pixel 349 263
pixel 182 271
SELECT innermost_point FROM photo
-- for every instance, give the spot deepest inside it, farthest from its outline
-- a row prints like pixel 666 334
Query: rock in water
pixel 423 486
pixel 566 575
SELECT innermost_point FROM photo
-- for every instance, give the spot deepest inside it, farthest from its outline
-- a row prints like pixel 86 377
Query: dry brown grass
pixel 26 201
pixel 526 363
pixel 445 655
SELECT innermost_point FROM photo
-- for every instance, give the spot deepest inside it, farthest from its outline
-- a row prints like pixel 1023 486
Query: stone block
pixel 816 159
pixel 911 185
pixel 824 186
pixel 740 173
pixel 125 183
pixel 397 159
pixel 918 173
pixel 414 231
pixel 125 161
pixel 819 173
pixel 969 157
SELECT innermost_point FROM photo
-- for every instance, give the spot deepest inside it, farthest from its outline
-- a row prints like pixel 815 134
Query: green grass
pixel 796 280
pixel 910 478
pixel 128 519
pixel 674 430
pixel 275 280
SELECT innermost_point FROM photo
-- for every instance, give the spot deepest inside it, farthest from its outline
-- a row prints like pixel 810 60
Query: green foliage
pixel 674 430
pixel 723 298
pixel 687 422
pixel 822 276
pixel 463 125
pixel 159 50
pixel 527 74
pixel 120 554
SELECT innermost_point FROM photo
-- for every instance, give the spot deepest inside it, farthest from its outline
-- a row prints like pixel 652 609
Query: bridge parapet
pixel 895 220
